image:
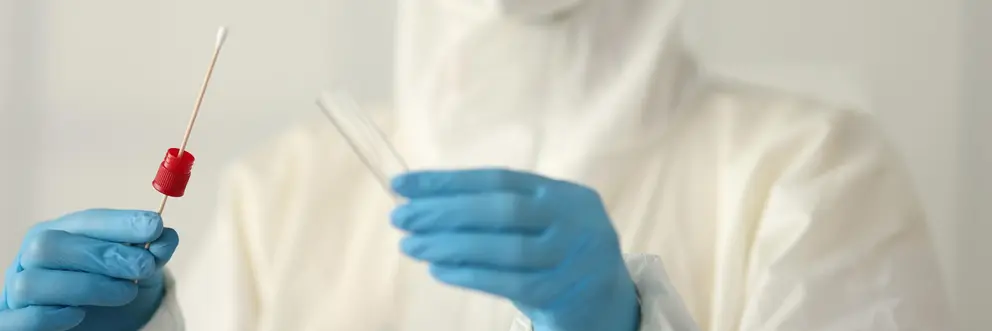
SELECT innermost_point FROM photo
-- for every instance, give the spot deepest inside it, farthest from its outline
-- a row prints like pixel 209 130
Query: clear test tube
pixel 369 143
pixel 364 137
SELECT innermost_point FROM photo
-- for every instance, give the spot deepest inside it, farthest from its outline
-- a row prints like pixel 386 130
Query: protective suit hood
pixel 603 76
pixel 529 10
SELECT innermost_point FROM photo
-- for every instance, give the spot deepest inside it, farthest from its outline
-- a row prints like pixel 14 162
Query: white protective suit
pixel 770 212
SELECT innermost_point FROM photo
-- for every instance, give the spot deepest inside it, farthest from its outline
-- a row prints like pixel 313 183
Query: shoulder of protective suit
pixel 751 113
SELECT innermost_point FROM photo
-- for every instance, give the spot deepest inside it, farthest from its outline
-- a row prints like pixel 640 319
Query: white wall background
pixel 975 255
pixel 93 92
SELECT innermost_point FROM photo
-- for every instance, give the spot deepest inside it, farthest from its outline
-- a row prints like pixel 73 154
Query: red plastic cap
pixel 173 174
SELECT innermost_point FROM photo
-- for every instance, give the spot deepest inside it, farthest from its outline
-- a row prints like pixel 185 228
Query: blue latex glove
pixel 546 245
pixel 77 272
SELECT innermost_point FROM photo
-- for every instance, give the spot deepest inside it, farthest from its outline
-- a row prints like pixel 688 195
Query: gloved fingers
pixel 8 274
pixel 484 212
pixel 484 250
pixel 155 282
pixel 434 183
pixel 60 250
pixel 514 285
pixel 41 318
pixel 43 287
pixel 164 246
pixel 126 226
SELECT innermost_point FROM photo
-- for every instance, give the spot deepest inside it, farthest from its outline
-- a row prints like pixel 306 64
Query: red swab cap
pixel 173 174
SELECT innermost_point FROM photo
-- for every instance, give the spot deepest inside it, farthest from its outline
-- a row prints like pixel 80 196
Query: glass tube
pixel 364 137
pixel 380 157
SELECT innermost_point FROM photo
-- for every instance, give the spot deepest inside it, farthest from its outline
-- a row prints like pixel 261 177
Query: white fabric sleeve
pixel 842 242
pixel 217 291
pixel 168 317
pixel 662 308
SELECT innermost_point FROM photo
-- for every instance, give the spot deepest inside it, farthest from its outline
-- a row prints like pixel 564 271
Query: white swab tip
pixel 221 35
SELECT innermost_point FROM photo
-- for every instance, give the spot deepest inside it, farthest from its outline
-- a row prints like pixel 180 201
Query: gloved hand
pixel 546 245
pixel 77 272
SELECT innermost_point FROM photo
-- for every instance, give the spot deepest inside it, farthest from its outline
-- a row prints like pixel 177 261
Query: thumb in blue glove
pixel 77 272
pixel 546 245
